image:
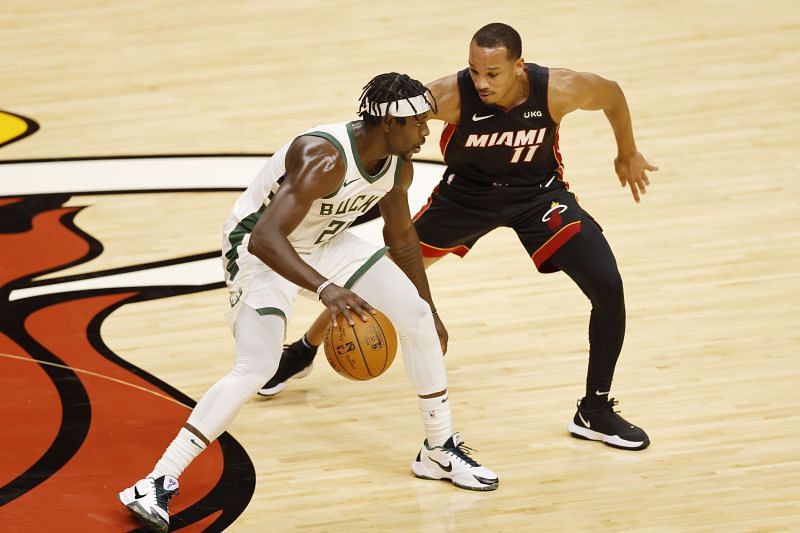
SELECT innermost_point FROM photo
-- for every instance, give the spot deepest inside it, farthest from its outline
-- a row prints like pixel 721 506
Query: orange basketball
pixel 362 351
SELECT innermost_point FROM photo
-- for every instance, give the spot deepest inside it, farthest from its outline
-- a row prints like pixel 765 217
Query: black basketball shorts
pixel 459 212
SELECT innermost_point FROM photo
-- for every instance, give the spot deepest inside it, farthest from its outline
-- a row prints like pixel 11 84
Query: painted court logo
pixel 61 278
pixel 56 364
pixel 14 127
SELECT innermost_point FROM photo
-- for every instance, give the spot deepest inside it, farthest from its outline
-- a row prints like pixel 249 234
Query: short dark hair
pixel 496 35
pixel 388 88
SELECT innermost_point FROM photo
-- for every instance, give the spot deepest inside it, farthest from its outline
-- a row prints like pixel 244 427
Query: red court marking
pixel 30 412
pixel 129 431
pixel 48 244
pixel 8 201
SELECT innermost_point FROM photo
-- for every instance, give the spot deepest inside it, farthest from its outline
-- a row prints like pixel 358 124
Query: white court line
pixel 194 273
pixel 199 172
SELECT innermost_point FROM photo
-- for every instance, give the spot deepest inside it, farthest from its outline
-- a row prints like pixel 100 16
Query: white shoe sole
pixel 273 391
pixel 153 523
pixel 612 440
pixel 423 472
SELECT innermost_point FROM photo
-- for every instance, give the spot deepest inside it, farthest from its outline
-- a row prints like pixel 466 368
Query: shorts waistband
pixel 490 181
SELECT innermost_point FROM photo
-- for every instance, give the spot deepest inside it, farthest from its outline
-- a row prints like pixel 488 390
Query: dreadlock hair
pixel 496 35
pixel 388 88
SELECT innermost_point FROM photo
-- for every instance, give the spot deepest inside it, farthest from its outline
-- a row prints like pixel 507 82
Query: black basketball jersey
pixel 518 147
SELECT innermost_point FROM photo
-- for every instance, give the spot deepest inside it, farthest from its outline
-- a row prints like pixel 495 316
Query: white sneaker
pixel 451 461
pixel 148 500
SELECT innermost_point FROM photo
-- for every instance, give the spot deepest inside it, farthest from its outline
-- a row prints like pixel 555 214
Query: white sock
pixel 436 418
pixel 178 455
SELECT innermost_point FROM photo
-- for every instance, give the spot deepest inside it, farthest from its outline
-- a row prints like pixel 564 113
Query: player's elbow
pixel 253 246
pixel 614 99
pixel 614 90
pixel 259 245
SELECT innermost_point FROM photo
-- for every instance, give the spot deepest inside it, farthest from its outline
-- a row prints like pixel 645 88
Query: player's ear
pixel 386 123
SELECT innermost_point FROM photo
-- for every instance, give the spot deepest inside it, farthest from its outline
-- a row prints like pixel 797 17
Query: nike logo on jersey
pixel 446 468
pixel 476 118
pixel 585 422
pixel 346 183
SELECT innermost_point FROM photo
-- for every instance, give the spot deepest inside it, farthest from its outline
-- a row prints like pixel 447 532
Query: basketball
pixel 364 350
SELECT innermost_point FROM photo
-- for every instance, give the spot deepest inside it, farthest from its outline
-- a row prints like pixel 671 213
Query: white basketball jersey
pixel 328 216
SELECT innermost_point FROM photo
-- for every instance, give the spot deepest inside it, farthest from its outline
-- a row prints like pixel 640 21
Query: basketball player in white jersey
pixel 287 234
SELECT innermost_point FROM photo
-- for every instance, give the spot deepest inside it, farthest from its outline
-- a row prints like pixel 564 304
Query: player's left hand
pixel 631 171
pixel 442 332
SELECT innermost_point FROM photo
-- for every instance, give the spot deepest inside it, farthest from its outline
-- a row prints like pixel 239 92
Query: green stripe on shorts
pixel 271 311
pixel 363 268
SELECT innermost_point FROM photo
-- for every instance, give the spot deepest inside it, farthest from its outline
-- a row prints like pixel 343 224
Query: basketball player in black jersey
pixel 504 168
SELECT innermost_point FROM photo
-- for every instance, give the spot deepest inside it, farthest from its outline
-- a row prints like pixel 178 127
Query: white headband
pixel 400 108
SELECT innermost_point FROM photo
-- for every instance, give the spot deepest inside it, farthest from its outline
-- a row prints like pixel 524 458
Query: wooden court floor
pixel 111 303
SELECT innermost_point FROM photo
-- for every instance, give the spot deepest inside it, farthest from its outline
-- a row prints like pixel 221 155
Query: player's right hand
pixel 343 301
pixel 631 171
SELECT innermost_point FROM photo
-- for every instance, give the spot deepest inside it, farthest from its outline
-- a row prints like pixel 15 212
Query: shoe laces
pixel 164 496
pixel 463 452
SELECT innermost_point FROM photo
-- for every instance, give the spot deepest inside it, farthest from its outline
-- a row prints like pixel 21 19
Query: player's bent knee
pixel 255 368
pixel 415 317
pixel 610 287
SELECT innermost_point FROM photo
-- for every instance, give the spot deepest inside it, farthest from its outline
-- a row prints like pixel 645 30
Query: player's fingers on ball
pixel 368 308
pixel 362 311
pixel 344 310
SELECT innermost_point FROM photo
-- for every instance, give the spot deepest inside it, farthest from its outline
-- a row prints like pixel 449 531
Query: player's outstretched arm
pixel 448 99
pixel 569 90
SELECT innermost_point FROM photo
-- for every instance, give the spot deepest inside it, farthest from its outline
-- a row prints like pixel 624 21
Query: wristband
pixel 322 287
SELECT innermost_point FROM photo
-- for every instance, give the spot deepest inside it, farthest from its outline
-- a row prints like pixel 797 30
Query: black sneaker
pixel 297 361
pixel 604 424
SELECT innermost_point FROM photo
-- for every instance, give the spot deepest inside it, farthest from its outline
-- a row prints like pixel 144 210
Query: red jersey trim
pixel 433 251
pixel 427 204
pixel 546 251
pixel 447 134
pixel 557 154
